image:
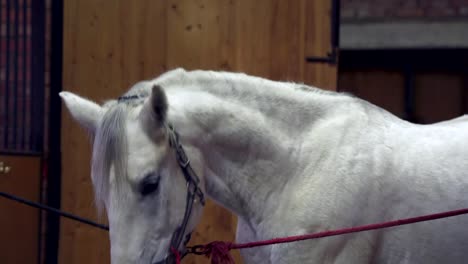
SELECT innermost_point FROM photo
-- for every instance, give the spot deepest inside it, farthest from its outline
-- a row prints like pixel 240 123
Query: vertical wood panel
pixel 19 232
pixel 318 28
pixel 384 88
pixel 286 41
pixel 200 34
pixel 438 96
pixel 253 37
pixel 321 75
pixel 109 45
pixel 80 46
pixel 318 44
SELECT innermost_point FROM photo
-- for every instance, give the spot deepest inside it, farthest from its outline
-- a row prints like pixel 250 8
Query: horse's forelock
pixel 109 152
pixel 110 144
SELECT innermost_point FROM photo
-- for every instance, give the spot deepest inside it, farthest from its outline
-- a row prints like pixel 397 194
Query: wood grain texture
pixel 19 224
pixel 438 96
pixel 321 75
pixel 109 45
pixel 318 44
pixel 384 88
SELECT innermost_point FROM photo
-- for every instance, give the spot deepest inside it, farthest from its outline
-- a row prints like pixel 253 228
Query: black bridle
pixel 193 192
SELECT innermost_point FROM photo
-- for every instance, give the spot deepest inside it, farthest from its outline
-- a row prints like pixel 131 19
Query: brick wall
pixel 352 10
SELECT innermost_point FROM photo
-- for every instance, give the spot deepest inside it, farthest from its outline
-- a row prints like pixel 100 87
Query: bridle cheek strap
pixel 193 192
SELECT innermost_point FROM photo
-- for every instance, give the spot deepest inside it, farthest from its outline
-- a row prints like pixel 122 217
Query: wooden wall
pixel 437 94
pixel 111 44
pixel 19 224
pixel 422 85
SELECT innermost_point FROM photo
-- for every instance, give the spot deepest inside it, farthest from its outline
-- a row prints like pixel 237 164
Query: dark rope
pixel 53 210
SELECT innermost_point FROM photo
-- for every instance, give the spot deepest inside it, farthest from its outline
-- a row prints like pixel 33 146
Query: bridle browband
pixel 193 191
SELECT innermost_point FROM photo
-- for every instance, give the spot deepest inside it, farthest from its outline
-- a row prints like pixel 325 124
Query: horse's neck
pixel 248 136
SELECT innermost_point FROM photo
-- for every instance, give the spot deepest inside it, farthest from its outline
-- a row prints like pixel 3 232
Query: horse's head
pixel 137 176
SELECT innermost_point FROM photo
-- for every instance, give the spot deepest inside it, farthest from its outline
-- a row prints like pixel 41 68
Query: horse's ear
pixel 85 112
pixel 154 112
pixel 159 104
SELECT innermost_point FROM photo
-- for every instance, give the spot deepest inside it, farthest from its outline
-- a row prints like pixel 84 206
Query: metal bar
pixel 37 73
pixel 335 29
pixel 32 68
pixel 40 198
pixel 31 90
pixel 32 83
pixel 22 153
pixel 54 162
pixel 25 70
pixel 29 74
pixel 2 87
pixel 15 76
pixel 52 210
pixel 41 86
pixel 330 58
pixel 7 77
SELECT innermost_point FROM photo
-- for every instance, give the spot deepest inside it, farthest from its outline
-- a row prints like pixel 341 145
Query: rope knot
pixel 218 251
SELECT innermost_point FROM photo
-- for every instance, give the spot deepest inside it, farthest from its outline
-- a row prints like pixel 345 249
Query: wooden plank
pixel 269 39
pixel 108 45
pixel 253 46
pixel 438 96
pixel 321 75
pixel 318 44
pixel 380 87
pixel 19 224
pixel 318 27
pixel 286 41
pixel 199 37
pixel 199 33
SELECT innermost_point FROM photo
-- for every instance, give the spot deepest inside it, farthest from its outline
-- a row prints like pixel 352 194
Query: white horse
pixel 286 158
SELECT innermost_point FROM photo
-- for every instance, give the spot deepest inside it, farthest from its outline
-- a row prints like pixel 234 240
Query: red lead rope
pixel 219 250
pixel 176 255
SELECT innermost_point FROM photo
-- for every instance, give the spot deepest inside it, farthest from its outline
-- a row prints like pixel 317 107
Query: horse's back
pixel 435 180
pixel 458 121
pixel 404 170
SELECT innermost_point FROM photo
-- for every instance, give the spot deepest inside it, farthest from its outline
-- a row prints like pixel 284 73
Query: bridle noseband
pixel 193 191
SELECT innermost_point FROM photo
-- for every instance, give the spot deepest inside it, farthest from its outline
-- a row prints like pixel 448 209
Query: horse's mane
pixel 110 144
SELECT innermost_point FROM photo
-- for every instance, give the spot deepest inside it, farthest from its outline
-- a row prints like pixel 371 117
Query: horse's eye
pixel 149 185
